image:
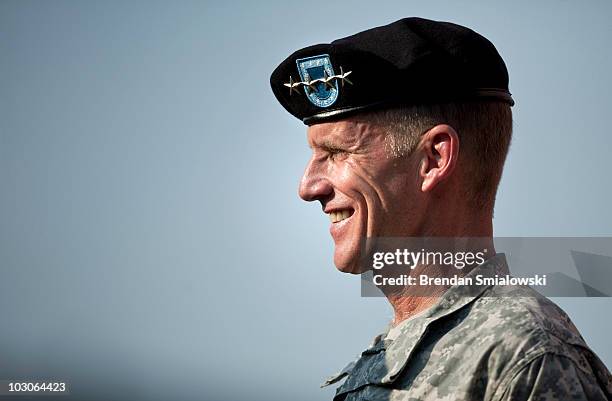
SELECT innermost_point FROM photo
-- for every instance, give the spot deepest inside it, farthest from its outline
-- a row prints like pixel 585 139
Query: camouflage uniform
pixel 479 343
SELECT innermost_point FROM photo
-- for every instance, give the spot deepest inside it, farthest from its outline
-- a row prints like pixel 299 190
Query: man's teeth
pixel 339 215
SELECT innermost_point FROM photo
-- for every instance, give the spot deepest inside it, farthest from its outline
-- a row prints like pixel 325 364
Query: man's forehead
pixel 343 132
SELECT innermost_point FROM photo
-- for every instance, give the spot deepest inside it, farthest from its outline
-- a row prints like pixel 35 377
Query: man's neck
pixel 405 307
pixel 413 300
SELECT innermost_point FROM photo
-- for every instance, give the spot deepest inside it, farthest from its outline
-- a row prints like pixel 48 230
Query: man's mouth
pixel 339 215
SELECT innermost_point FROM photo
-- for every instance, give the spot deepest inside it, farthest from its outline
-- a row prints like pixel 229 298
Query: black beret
pixel 411 61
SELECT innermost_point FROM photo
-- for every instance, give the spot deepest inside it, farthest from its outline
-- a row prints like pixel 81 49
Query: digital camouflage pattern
pixel 495 343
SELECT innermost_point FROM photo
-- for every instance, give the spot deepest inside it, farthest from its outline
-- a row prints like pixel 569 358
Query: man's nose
pixel 314 184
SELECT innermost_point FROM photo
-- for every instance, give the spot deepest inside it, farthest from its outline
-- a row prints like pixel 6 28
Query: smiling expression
pixel 365 191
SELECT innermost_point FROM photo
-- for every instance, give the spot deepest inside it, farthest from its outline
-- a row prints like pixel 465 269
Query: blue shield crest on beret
pixel 322 91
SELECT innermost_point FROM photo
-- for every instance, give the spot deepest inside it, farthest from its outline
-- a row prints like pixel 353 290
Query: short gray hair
pixel 484 130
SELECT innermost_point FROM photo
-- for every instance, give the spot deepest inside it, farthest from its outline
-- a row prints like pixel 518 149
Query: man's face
pixel 365 190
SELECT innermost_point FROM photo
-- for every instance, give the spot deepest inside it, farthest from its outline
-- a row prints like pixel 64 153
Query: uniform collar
pixel 383 361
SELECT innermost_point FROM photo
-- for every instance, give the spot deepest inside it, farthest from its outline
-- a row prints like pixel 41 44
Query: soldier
pixel 409 126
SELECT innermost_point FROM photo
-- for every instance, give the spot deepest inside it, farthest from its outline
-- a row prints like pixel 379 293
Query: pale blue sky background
pixel 152 243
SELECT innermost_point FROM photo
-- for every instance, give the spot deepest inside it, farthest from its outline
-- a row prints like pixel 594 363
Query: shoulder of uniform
pixel 522 318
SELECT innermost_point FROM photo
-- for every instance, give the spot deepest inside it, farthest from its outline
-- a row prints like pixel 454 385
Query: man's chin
pixel 347 257
pixel 351 266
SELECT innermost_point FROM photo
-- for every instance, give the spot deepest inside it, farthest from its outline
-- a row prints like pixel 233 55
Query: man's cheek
pixel 344 172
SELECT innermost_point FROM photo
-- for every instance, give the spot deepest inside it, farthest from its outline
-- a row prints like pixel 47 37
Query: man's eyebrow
pixel 326 144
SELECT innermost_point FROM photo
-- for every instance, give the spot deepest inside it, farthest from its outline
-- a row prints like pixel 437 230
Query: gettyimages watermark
pixel 555 267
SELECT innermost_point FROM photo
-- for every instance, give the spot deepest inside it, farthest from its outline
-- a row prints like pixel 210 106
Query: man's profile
pixel 409 126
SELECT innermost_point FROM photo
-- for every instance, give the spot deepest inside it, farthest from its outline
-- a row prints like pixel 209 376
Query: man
pixel 409 126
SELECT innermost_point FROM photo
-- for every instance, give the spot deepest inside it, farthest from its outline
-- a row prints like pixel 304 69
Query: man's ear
pixel 440 149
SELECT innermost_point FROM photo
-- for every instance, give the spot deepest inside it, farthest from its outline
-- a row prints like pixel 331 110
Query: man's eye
pixel 333 153
pixel 336 150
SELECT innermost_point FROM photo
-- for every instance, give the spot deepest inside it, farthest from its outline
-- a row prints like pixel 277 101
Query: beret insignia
pixel 318 79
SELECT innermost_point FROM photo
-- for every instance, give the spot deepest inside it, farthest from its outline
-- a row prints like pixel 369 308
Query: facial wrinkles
pixel 361 148
pixel 374 151
pixel 362 158
pixel 376 202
